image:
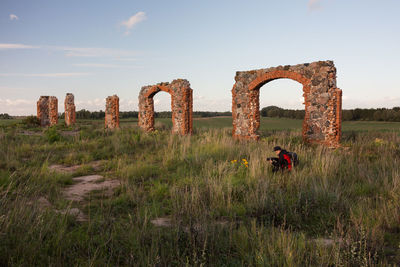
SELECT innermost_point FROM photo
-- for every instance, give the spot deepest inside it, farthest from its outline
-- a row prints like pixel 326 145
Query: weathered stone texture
pixel 69 107
pixel 47 110
pixel 322 99
pixel 181 105
pixel 112 112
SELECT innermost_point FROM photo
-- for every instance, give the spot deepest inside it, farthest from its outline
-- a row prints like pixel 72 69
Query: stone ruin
pixel 322 99
pixel 69 106
pixel 47 110
pixel 181 106
pixel 112 112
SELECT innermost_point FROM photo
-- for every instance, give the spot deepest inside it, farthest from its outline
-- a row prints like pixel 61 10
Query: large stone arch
pixel 322 99
pixel 181 105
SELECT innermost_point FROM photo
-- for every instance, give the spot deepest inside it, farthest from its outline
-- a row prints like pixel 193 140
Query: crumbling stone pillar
pixel 112 112
pixel 69 107
pixel 322 99
pixel 47 110
pixel 181 106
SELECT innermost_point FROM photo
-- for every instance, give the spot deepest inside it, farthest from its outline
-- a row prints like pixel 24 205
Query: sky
pixel 97 48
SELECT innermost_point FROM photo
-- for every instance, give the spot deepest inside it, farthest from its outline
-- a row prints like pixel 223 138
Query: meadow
pixel 199 200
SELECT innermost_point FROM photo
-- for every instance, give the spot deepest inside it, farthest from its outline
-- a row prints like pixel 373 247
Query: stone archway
pixel 181 105
pixel 322 99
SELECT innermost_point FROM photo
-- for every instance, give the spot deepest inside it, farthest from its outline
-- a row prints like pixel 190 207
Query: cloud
pixel 100 103
pixel 17 106
pixel 15 102
pixel 94 52
pixel 13 17
pixel 97 65
pixel 118 54
pixel 125 59
pixel 51 75
pixel 128 104
pixel 132 21
pixel 314 4
pixel 4 46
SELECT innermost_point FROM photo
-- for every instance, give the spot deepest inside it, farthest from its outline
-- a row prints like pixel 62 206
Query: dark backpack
pixel 294 158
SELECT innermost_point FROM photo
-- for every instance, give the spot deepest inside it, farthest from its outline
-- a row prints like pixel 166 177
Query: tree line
pixel 358 114
pixel 93 115
pixel 5 116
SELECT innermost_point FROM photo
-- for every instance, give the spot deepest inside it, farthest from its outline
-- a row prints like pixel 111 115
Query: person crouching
pixel 282 162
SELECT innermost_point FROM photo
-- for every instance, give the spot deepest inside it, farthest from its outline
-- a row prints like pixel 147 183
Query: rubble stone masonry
pixel 112 112
pixel 181 106
pixel 322 99
pixel 47 110
pixel 69 107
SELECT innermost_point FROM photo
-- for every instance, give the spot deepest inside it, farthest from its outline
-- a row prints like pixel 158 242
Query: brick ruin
pixel 322 99
pixel 69 107
pixel 112 112
pixel 47 110
pixel 181 105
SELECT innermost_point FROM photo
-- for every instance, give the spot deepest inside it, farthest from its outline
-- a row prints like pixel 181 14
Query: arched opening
pixel 181 105
pixel 322 99
pixel 162 102
pixel 281 106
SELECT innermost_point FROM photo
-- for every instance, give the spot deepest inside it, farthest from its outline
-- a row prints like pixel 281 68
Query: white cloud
pixel 13 17
pixel 314 4
pixel 118 54
pixel 128 104
pixel 51 75
pixel 17 106
pixel 133 20
pixel 94 52
pixel 97 65
pixel 125 59
pixel 15 102
pixel 16 46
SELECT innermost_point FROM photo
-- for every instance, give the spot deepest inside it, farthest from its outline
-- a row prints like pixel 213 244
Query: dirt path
pixel 96 165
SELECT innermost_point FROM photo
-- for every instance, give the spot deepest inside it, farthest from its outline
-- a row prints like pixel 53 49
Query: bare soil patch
pixel 96 165
pixel 86 184
pixel 75 212
pixel 162 222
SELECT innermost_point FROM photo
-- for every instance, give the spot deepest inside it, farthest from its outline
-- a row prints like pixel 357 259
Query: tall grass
pixel 222 212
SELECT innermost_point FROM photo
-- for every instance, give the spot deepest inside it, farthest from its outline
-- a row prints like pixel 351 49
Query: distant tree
pixel 272 111
pixel 5 116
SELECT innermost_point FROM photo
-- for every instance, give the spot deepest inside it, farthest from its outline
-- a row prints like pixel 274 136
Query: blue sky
pixel 94 49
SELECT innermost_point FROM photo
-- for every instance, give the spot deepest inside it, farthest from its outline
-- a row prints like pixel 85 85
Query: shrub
pixel 52 135
pixel 31 121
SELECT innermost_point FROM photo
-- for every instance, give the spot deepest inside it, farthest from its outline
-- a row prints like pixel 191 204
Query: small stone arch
pixel 322 99
pixel 181 105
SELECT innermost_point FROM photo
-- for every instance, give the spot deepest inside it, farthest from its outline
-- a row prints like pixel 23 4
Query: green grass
pixel 9 122
pixel 222 213
pixel 277 124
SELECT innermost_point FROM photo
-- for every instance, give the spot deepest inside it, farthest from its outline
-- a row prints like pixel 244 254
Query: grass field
pixel 337 208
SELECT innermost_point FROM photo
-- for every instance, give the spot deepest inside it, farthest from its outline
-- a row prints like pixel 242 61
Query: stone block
pixel 47 110
pixel 69 109
pixel 112 112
